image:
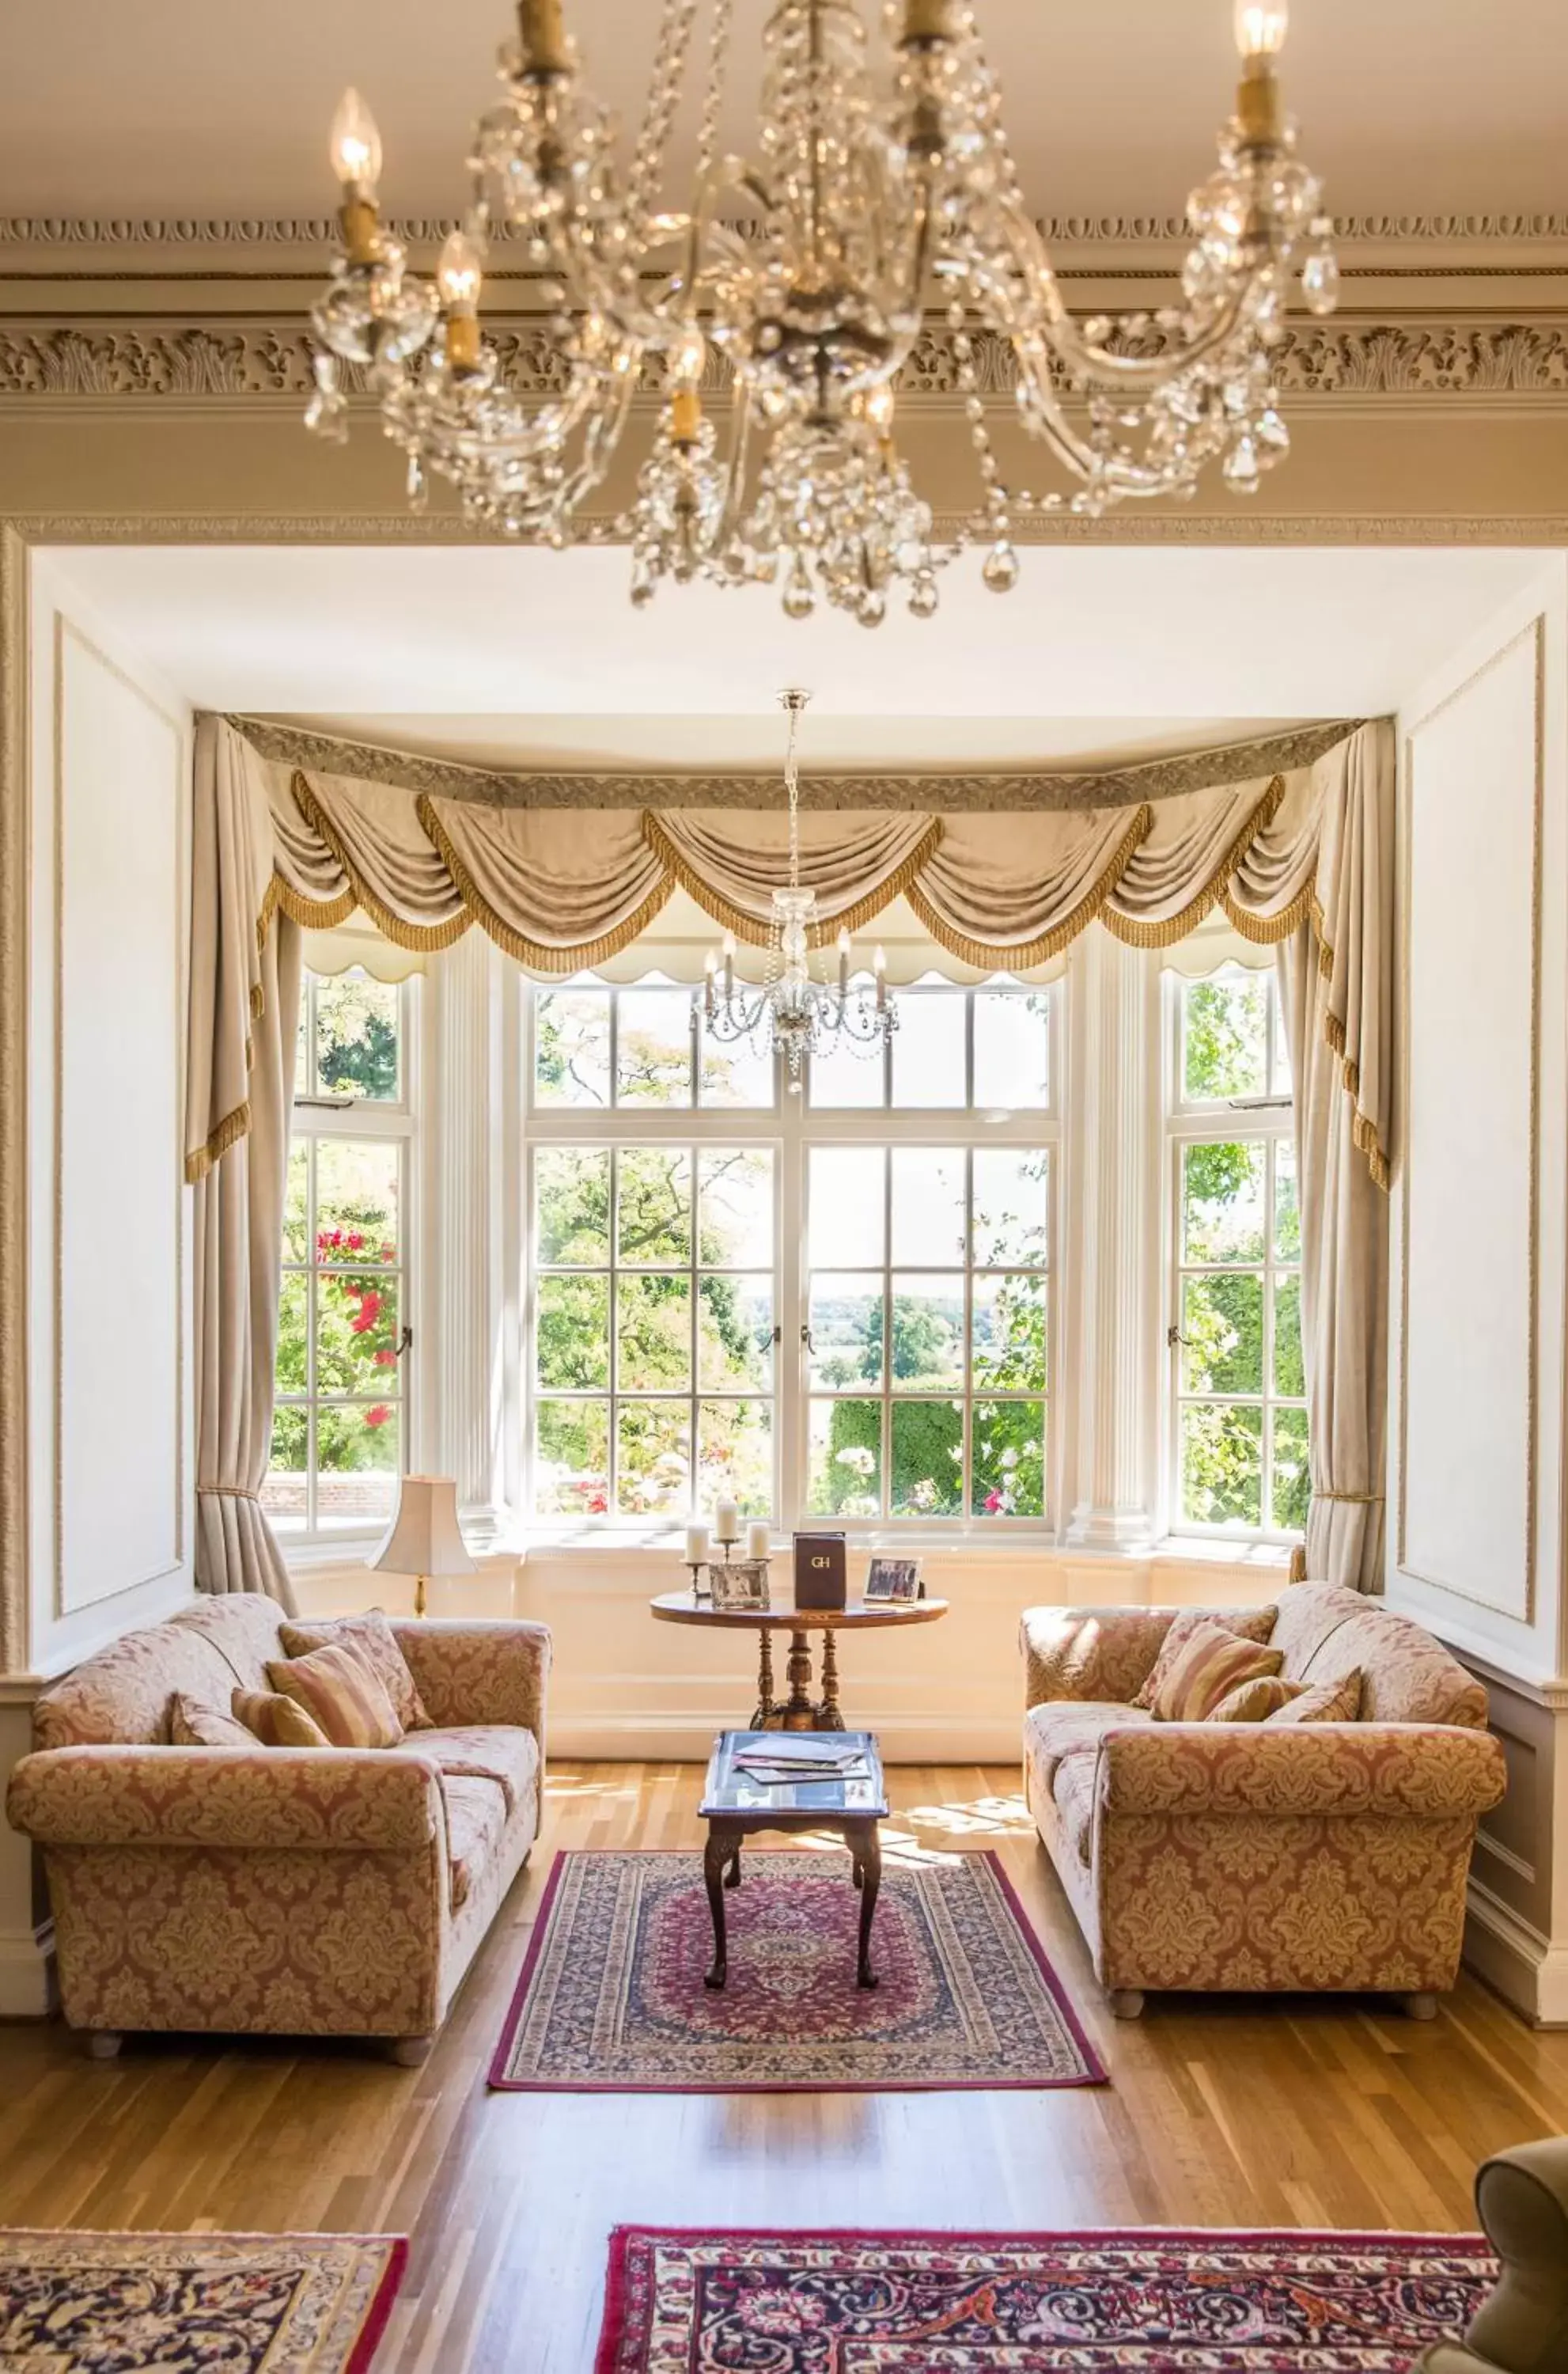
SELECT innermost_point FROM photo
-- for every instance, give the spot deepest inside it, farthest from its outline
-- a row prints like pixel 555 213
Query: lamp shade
pixel 425 1537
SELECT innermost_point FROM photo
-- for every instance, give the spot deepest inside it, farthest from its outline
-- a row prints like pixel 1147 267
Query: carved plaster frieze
pixel 47 231
pixel 261 361
pixel 946 793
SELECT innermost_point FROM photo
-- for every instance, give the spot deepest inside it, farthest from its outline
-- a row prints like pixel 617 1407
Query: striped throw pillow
pixel 1256 1700
pixel 276 1721
pixel 1210 1665
pixel 1324 1702
pixel 369 1636
pixel 1248 1623
pixel 341 1693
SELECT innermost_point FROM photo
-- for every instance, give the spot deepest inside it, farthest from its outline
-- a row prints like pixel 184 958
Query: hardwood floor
pixel 1298 2111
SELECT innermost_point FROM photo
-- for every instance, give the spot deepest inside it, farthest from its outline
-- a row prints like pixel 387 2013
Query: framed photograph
pixel 739 1582
pixel 894 1578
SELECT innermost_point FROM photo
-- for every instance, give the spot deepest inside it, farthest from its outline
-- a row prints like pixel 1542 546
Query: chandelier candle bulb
pixel 878 965
pixel 843 963
pixel 354 146
pixel 685 415
pixel 543 37
pixel 729 966
pixel 1260 26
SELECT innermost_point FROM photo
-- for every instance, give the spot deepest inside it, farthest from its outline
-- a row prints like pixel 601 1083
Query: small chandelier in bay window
pixel 880 202
pixel 793 1014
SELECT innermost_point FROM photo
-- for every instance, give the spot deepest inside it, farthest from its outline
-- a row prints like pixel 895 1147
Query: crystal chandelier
pixel 875 200
pixel 791 1014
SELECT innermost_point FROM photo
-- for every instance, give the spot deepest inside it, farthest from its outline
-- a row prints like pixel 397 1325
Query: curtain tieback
pixel 229 1491
pixel 1355 1499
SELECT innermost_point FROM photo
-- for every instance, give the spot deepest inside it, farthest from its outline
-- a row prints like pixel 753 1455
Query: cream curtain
pixel 244 1012
pixel 1335 977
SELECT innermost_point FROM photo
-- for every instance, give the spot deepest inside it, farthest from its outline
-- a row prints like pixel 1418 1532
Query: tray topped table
pixel 734 1805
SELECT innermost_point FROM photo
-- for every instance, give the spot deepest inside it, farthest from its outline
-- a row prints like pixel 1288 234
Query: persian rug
pixel 188 2303
pixel 1155 2302
pixel 612 1996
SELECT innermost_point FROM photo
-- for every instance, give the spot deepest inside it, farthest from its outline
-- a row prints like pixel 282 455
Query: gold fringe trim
pixel 537 954
pixel 422 938
pixel 988 953
pixel 1268 931
pixel 756 934
pixel 229 1130
pixel 1133 933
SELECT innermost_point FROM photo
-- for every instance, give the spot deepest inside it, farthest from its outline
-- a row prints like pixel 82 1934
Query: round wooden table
pixel 798 1712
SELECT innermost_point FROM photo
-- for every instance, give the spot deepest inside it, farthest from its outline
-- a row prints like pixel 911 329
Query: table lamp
pixel 425 1537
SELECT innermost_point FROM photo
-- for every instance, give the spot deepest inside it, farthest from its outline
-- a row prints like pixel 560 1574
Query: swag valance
pixel 561 890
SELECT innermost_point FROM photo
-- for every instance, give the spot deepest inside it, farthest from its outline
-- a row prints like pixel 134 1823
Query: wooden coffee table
pixel 734 1807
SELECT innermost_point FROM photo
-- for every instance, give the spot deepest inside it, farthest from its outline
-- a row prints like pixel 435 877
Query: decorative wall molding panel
pixel 212 360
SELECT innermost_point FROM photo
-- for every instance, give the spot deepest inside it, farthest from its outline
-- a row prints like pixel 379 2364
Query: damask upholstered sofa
pixel 1261 1856
pixel 295 1890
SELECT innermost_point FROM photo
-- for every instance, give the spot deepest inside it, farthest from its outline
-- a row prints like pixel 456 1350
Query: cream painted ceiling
pixel 206 108
pixel 521 658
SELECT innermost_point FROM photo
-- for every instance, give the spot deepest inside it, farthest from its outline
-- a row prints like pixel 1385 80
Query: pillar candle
pixel 699 1541
pixel 727 1521
pixel 757 1543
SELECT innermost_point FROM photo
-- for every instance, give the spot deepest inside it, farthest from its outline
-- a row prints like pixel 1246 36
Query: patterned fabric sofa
pixel 304 1891
pixel 1261 1856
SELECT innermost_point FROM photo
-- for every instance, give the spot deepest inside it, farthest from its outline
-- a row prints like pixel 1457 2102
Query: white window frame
pixel 788 1129
pixel 313 1118
pixel 1268 1121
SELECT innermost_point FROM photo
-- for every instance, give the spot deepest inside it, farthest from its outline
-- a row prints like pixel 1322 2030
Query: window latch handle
pixel 1175 1336
pixel 806 1339
pixel 405 1343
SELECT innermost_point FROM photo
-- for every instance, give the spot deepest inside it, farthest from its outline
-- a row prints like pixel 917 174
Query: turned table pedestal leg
pixel 800 1714
pixel 829 1715
pixel 766 1713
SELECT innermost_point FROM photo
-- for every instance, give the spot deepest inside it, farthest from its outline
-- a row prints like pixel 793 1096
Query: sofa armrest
pixel 1430 1772
pixel 355 1799
pixel 1090 1652
pixel 479 1672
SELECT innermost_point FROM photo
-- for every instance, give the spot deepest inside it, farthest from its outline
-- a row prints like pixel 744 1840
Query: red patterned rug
pixel 1156 2302
pixel 79 2303
pixel 612 1996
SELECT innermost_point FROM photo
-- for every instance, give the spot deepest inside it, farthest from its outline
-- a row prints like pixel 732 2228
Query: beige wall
pixel 1480 1254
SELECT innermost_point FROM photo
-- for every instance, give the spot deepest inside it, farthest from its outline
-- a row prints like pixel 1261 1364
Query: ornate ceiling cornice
pixel 53 231
pixel 947 793
pixel 215 361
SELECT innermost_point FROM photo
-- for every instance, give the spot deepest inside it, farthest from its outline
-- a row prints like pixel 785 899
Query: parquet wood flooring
pixel 1270 2112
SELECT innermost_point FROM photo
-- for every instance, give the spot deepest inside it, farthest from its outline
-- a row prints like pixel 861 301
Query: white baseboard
pixel 27 1975
pixel 649 1737
pixel 1527 1969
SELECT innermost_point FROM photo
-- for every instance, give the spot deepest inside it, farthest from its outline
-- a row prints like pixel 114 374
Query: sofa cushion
pixel 1308 1613
pixel 476 1816
pixel 125 1696
pixel 1061 1725
pixel 1324 1701
pixel 243 1628
pixel 499 1752
pixel 1406 1674
pixel 1074 1792
pixel 339 1689
pixel 370 1636
pixel 1256 1700
pixel 1249 1623
pixel 277 1721
pixel 1206 1669
pixel 193 1723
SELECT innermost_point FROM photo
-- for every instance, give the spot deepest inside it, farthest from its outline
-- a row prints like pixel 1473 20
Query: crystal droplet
pixel 871 607
pixel 1000 571
pixel 642 586
pixel 799 599
pixel 418 486
pixel 1241 468
pixel 1273 437
pixel 1320 280
pixel 923 596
